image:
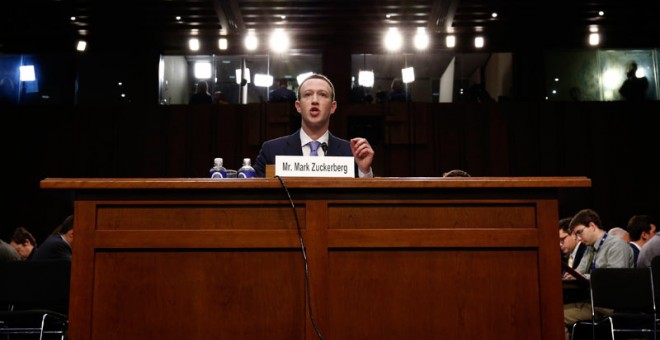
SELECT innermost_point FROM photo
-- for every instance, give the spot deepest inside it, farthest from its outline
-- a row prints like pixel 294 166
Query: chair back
pixel 623 289
pixel 655 270
pixel 35 284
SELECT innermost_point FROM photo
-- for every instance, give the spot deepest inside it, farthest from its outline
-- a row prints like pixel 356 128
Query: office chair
pixel 34 297
pixel 623 298
pixel 655 270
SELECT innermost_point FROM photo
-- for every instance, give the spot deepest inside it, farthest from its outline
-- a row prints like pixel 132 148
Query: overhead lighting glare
pixel 263 80
pixel 239 78
pixel 594 39
pixel 193 44
pixel 81 46
pixel 601 13
pixel 251 41
pixel 301 77
pixel 408 74
pixel 222 43
pixel 203 70
pixel 494 15
pixel 421 39
pixel 366 78
pixel 479 42
pixel 26 73
pixel 279 41
pixel 393 39
pixel 73 18
pixel 450 41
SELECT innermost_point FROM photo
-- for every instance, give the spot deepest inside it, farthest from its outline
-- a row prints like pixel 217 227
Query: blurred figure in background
pixel 24 243
pixel 58 246
pixel 634 88
pixel 202 95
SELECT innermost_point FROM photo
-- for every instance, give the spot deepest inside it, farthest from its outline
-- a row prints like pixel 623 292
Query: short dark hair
pixel 639 224
pixel 456 173
pixel 21 235
pixel 564 224
pixel 584 217
pixel 66 225
pixel 322 77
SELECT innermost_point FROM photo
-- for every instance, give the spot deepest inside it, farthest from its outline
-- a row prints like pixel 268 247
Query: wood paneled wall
pixel 614 144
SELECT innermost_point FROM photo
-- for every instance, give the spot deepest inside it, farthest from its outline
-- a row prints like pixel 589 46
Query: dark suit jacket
pixel 578 255
pixel 53 248
pixel 290 146
pixel 635 253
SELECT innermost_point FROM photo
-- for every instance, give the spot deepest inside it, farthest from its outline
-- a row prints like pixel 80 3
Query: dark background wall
pixel 613 143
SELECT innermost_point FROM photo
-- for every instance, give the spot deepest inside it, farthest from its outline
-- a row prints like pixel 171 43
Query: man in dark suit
pixel 282 94
pixel 641 229
pixel 316 103
pixel 58 246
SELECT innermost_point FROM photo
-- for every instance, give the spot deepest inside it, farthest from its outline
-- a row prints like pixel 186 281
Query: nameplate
pixel 310 166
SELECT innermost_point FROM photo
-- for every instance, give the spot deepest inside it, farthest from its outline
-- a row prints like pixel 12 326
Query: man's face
pixel 23 250
pixel 586 234
pixel 315 104
pixel 567 242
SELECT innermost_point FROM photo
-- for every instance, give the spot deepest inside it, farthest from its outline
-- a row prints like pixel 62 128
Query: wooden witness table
pixel 389 258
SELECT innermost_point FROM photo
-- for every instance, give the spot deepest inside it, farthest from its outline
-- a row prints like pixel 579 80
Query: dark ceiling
pixel 318 25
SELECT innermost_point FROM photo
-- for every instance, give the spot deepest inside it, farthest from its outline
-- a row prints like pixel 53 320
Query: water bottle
pixel 246 171
pixel 218 171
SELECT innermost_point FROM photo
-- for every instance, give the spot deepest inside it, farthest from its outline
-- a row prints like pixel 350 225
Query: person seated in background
pixel 633 88
pixel 398 91
pixel 282 94
pixel 620 233
pixel 219 98
pixel 58 246
pixel 609 252
pixel 24 243
pixel 641 228
pixel 202 95
pixel 315 104
pixel 8 253
pixel 360 94
pixel 576 254
pixel 650 250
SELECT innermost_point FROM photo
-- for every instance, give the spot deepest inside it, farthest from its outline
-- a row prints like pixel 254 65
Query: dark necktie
pixel 314 146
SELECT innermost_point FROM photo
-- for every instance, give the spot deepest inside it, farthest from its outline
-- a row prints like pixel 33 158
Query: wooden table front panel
pixel 230 267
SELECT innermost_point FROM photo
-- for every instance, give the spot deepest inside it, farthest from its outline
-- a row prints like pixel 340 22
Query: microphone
pixel 324 146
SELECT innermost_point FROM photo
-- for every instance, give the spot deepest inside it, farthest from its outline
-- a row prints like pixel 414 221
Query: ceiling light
pixel 279 41
pixel 251 41
pixel 393 39
pixel 450 41
pixel 421 39
pixel 594 39
pixel 81 46
pixel 193 44
pixel 222 43
pixel 479 42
